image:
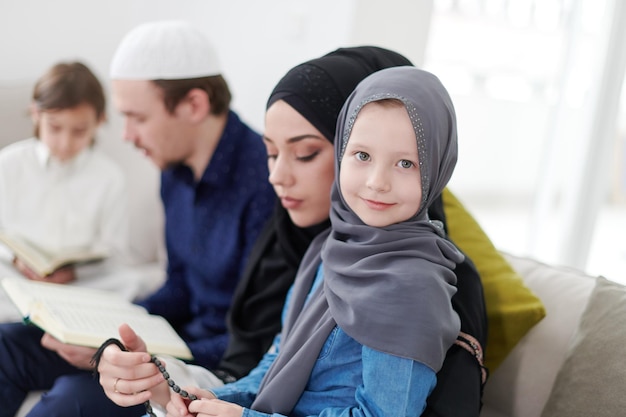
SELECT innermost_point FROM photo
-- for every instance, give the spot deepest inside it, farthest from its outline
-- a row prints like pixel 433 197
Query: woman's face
pixel 301 164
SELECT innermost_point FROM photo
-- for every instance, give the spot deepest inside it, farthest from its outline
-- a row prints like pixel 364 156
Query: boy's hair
pixel 67 85
pixel 215 86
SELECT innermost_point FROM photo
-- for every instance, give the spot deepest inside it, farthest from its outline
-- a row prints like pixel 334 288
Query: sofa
pixel 535 346
pixel 556 335
pixel 522 384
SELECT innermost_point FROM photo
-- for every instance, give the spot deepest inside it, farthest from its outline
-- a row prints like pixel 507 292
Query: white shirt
pixel 82 202
pixel 76 204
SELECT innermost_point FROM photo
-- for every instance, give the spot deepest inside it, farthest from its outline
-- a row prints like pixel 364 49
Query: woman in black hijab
pixel 316 90
pixel 386 290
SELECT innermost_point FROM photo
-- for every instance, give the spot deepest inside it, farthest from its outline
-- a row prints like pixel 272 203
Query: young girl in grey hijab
pixel 369 319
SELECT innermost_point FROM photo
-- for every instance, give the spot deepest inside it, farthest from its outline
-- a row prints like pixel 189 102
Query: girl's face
pixel 67 132
pixel 301 164
pixel 379 174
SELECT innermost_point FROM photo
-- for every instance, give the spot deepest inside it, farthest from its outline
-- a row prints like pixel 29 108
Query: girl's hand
pixel 179 407
pixel 214 407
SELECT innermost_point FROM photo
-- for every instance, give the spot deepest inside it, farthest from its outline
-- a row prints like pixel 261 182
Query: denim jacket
pixel 348 379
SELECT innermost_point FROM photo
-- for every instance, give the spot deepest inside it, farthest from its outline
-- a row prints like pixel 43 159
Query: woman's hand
pixel 129 378
pixel 78 356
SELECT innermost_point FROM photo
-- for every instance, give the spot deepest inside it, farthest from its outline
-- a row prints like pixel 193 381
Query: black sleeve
pixel 255 314
pixel 459 382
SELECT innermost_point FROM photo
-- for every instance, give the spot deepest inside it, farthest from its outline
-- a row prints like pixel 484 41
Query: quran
pixel 45 263
pixel 88 317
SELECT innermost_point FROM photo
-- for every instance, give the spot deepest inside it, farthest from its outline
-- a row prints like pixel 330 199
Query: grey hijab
pixel 409 264
pixel 388 288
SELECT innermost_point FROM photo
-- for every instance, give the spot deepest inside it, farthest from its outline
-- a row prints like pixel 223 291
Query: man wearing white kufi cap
pixel 170 50
pixel 167 82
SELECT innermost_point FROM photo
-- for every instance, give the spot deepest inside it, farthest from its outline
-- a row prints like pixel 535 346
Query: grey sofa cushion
pixel 521 385
pixel 591 380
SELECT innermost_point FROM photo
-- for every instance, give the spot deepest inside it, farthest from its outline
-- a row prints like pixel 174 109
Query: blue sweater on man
pixel 210 228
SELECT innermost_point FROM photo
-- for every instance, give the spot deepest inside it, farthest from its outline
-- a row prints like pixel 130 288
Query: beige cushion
pixel 29 402
pixel 592 379
pixel 521 385
pixel 14 116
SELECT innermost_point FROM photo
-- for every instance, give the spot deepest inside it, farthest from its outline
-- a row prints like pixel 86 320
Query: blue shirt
pixel 210 228
pixel 348 379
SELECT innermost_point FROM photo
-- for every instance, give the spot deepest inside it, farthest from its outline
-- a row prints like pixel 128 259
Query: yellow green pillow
pixel 512 309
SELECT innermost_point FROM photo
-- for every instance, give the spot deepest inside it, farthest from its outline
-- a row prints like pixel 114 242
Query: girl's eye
pixel 405 164
pixel 362 156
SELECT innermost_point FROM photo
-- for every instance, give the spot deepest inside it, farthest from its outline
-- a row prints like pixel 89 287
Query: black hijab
pixel 317 89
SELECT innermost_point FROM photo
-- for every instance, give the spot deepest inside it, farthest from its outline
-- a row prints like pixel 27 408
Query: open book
pixel 45 263
pixel 88 317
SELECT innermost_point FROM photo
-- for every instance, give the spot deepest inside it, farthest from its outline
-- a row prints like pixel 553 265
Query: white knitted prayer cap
pixel 164 50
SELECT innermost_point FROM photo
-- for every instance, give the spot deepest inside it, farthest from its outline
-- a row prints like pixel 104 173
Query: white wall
pixel 258 41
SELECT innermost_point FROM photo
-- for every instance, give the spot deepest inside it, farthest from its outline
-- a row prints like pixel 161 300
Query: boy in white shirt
pixel 56 189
